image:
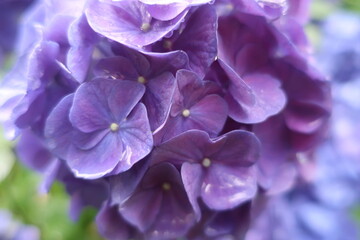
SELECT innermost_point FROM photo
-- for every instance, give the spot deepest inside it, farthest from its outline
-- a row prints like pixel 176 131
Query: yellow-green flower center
pixel 145 27
pixel 114 127
pixel 186 112
pixel 167 44
pixel 141 79
pixel 166 186
pixel 206 162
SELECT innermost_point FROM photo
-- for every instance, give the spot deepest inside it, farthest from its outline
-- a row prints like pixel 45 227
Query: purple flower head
pixel 97 130
pixel 217 170
pixel 159 206
pixel 196 105
pixel 223 90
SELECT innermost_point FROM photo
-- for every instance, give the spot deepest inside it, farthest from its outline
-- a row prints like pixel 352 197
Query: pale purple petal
pixel 98 161
pixel 136 138
pixel 100 102
pixel 128 22
pixel 225 187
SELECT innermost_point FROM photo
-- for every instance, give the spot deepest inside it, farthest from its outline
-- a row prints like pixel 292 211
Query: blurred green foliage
pixel 49 212
pixel 353 5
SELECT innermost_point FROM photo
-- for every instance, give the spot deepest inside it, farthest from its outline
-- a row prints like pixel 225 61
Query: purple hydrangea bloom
pixel 159 206
pixel 217 170
pixel 103 116
pixel 154 71
pixel 196 105
pixel 176 119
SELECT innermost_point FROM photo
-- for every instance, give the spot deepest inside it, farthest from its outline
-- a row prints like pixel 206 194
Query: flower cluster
pixel 169 116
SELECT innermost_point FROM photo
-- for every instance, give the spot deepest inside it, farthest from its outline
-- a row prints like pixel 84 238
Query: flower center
pixel 186 112
pixel 114 127
pixel 145 27
pixel 167 44
pixel 166 186
pixel 141 79
pixel 206 162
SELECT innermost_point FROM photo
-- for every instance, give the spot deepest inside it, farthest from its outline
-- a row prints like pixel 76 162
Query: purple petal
pixel 128 22
pixel 58 129
pixel 199 39
pixel 136 138
pixel 124 184
pixel 158 98
pixel 209 114
pixel 82 40
pixel 111 225
pixel 117 68
pixel 142 208
pixel 32 151
pixel 165 12
pixel 226 187
pixel 100 102
pixel 98 161
pixel 187 147
pixel 192 176
pixel 85 141
pixel 175 217
pixel 240 148
pixel 263 97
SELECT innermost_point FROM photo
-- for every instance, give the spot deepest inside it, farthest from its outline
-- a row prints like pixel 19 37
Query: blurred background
pixel 334 31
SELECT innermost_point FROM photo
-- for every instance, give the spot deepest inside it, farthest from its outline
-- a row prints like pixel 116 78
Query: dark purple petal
pixel 192 176
pixel 199 40
pixel 124 184
pixel 159 206
pixel 142 208
pixel 111 225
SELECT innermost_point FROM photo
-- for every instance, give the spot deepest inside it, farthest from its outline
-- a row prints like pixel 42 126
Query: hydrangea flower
pixel 217 170
pixel 104 121
pixel 173 118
